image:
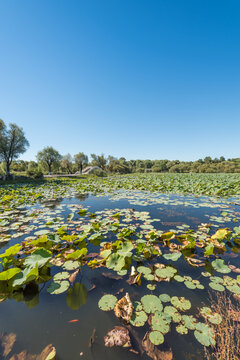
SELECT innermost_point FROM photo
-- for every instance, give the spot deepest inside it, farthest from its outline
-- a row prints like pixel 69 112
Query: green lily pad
pixel 164 298
pixel 107 302
pixel 220 266
pixel 189 322
pixel 179 278
pixel 138 318
pixel 151 303
pixel 216 286
pixel 58 287
pixel 181 329
pixel 181 303
pixel 115 262
pixel 211 316
pixel 71 265
pixel 173 257
pixel 160 323
pixel 204 334
pixel 172 311
pixel 144 270
pixel 166 272
pixel 61 276
pixel 156 337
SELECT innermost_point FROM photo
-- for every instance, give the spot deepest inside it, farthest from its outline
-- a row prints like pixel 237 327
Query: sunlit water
pixel 44 318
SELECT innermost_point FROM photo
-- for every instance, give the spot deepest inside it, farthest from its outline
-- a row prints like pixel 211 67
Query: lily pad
pixel 204 334
pixel 156 337
pixel 107 302
pixel 58 287
pixel 181 303
pixel 220 266
pixel 151 304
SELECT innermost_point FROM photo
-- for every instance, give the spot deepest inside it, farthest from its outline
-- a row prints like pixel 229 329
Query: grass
pixel 228 332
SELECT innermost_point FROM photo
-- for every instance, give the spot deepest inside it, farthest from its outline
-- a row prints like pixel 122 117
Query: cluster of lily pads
pixel 54 242
pixel 153 309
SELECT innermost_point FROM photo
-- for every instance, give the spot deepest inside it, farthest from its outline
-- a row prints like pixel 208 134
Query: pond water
pixel 67 320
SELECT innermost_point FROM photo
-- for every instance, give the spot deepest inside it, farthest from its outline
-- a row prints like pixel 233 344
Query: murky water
pixel 39 318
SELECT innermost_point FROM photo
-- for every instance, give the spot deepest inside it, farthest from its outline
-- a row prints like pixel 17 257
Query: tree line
pixel 13 143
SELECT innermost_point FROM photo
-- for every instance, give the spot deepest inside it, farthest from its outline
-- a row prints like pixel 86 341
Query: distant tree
pixel 80 160
pixel 207 159
pixel 12 143
pixel 99 160
pixel 66 163
pixel 49 156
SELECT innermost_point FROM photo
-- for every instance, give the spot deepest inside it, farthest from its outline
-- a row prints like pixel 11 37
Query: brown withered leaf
pixel 124 308
pixel 73 276
pixel 118 336
pixel 49 352
pixel 234 269
pixel 135 279
pixel 154 352
pixel 195 262
pixel 7 341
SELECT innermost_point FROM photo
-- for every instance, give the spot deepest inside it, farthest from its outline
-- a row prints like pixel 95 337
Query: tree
pixel 66 163
pixel 99 160
pixel 49 156
pixel 80 160
pixel 12 143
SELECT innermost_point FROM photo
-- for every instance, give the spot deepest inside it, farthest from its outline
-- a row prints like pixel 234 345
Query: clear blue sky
pixel 140 79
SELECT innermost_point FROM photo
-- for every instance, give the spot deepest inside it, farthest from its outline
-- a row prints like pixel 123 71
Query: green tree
pixel 12 143
pixel 49 157
pixel 66 163
pixel 99 160
pixel 80 160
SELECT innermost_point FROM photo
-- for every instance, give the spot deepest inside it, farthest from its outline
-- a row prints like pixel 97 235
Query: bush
pixel 35 173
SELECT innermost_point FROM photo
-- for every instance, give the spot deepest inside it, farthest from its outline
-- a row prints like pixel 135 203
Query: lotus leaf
pixel 204 334
pixel 58 287
pixel 151 304
pixel 211 316
pixel 181 303
pixel 166 272
pixel 179 278
pixel 9 274
pixel 181 329
pixel 137 306
pixel 172 311
pixel 174 256
pixel 189 322
pixel 190 285
pixel 220 266
pixel 138 318
pixel 115 262
pixel 107 302
pixel 71 265
pixel 164 298
pixel 40 256
pixel 156 337
pixel 160 323
pixel 61 276
pixel 144 270
pixel 216 286
pixel 25 276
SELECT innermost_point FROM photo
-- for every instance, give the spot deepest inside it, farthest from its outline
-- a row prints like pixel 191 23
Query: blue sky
pixel 140 79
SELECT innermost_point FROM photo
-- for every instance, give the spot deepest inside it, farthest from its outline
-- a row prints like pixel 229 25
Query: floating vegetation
pixel 151 258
